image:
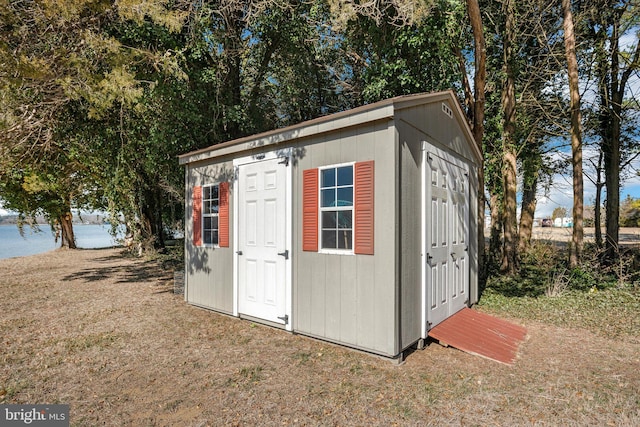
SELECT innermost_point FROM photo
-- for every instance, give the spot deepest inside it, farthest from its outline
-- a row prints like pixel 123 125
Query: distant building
pixel 565 222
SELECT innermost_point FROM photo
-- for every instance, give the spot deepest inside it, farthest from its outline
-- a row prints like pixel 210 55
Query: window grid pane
pixel 336 208
pixel 210 201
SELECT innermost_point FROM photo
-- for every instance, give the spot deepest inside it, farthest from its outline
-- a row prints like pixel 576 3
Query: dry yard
pixel 106 335
pixel 627 235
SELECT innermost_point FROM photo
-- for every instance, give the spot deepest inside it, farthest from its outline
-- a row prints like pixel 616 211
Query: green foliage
pixel 611 312
pixel 559 212
pixel 546 290
pixel 630 212
pixel 543 264
pixel 88 110
pixel 98 98
pixel 419 57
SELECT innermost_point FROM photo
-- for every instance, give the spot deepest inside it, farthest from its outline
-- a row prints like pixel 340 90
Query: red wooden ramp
pixel 480 334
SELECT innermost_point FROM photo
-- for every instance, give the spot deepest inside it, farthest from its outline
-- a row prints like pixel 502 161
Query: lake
pixel 12 244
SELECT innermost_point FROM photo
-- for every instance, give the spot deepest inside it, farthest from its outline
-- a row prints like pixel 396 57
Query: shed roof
pixel 382 110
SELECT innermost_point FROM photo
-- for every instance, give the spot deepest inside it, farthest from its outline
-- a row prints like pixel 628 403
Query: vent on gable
pixel 448 111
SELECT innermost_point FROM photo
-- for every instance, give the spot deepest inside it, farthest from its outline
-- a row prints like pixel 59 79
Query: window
pixel 210 211
pixel 336 207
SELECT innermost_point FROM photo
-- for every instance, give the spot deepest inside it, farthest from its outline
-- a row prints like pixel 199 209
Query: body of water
pixel 12 244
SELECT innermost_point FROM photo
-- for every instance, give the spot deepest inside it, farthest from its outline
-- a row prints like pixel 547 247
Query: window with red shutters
pixel 338 201
pixel 211 215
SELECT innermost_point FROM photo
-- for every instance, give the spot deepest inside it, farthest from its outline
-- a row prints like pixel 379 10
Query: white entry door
pixel 262 253
pixel 446 237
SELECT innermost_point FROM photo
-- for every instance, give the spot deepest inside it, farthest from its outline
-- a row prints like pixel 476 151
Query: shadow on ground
pixel 112 268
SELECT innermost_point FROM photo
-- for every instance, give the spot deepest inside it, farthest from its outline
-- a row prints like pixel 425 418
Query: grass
pixel 105 340
pixel 611 312
pixel 605 301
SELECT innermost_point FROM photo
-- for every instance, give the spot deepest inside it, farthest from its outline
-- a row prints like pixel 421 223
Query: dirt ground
pixel 106 335
pixel 627 235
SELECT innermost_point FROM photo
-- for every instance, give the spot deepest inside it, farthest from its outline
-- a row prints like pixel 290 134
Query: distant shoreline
pixel 41 239
pixel 91 219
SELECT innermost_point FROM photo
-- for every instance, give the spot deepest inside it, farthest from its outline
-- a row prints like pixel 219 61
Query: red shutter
pixel 310 210
pixel 223 216
pixel 196 199
pixel 363 224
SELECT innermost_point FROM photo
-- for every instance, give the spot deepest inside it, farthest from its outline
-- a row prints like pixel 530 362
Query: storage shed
pixel 358 228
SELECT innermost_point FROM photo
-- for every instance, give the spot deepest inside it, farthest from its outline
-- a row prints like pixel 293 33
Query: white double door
pixel 262 252
pixel 446 236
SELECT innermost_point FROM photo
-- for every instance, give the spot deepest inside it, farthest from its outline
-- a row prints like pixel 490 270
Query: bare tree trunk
pixel 480 78
pixel 577 240
pixel 528 210
pixel 509 166
pixel 612 183
pixel 597 212
pixel 67 236
pixel 495 249
pixel 613 79
pixel 234 25
pixel 152 236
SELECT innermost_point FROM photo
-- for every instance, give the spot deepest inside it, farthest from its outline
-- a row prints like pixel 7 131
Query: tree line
pixel 99 97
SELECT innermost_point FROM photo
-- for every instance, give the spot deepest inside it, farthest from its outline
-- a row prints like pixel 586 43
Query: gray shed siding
pixel 427 122
pixel 439 128
pixel 350 299
pixel 209 270
pixel 369 302
pixel 410 230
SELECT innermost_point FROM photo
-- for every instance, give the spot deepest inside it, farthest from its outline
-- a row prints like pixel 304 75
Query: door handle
pixel 239 252
pixel 285 254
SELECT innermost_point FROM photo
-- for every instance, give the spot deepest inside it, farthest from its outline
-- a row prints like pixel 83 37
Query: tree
pixel 576 135
pixel 614 65
pixel 559 212
pixel 64 67
pixel 509 154
pixel 540 110
pixel 630 212
pixel 400 58
pixel 127 86
pixel 31 195
pixel 477 119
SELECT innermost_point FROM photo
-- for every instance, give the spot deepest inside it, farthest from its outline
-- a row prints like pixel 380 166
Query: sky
pixel 561 192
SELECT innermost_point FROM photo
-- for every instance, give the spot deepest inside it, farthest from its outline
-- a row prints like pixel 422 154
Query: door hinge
pixel 285 254
pixel 284 161
pixel 285 319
